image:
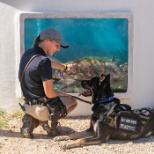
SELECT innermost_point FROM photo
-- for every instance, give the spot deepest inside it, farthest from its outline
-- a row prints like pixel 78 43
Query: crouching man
pixel 42 102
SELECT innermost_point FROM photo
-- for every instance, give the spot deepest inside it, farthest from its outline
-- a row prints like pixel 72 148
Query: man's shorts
pixel 39 112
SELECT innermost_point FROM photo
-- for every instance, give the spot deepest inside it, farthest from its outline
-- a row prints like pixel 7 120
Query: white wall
pixel 7 56
pixel 143 48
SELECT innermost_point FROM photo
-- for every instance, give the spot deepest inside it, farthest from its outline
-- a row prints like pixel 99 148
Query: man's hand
pixel 71 67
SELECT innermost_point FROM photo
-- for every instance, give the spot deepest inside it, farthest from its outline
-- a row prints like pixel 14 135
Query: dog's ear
pixel 107 77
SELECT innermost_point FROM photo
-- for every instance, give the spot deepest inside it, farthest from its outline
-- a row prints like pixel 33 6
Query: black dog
pixel 110 119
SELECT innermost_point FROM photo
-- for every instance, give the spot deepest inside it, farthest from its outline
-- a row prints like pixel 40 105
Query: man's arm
pixel 57 65
pixel 49 89
pixel 62 67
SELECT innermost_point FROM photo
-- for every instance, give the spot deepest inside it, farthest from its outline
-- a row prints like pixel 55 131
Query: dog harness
pixel 129 123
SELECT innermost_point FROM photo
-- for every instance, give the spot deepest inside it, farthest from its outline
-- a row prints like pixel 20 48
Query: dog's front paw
pixel 69 146
pixel 66 146
pixel 61 138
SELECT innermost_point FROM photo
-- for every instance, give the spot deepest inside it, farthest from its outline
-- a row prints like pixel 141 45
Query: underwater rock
pixel 68 85
pixel 86 69
pixel 124 67
pixel 120 85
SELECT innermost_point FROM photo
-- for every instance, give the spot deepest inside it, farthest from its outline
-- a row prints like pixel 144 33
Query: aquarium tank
pixel 97 46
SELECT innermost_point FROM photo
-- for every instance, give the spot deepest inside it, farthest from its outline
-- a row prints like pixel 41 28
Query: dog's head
pixel 98 87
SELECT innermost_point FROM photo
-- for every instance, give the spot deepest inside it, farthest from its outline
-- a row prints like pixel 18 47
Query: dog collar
pixel 105 100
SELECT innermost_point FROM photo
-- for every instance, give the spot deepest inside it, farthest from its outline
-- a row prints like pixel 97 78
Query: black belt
pixel 40 101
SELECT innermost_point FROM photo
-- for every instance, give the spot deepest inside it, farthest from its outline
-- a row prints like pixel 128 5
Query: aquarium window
pixel 98 44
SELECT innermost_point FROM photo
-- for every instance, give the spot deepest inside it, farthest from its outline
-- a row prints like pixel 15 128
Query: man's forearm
pixel 57 65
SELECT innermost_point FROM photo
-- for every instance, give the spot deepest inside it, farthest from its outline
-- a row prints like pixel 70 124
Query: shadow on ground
pixel 41 135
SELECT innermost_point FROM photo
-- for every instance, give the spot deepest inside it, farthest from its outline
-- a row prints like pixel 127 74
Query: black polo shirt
pixel 38 70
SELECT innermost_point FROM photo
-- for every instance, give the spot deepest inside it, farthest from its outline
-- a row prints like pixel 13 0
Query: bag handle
pixel 27 66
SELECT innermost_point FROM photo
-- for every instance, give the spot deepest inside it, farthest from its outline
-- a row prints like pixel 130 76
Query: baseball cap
pixel 53 34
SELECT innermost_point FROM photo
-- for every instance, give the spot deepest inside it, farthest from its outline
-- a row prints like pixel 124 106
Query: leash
pixel 88 102
pixel 100 102
pixel 105 100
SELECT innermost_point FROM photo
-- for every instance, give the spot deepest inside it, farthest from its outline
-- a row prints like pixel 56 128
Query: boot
pixel 55 125
pixel 29 123
pixel 47 128
pixel 51 131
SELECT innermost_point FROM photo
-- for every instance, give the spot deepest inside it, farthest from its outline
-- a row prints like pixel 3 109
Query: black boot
pixel 29 123
pixel 47 128
pixel 55 125
pixel 53 130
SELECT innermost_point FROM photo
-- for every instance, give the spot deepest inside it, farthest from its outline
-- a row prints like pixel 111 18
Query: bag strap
pixel 27 66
